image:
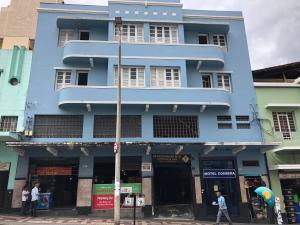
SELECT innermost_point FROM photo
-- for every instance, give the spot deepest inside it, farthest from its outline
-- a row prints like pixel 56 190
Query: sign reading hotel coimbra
pixel 219 173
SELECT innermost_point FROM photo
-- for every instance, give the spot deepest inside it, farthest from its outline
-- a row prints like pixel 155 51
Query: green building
pixel 14 78
pixel 278 96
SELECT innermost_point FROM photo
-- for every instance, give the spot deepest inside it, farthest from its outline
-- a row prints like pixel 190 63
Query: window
pixel 131 76
pixel 64 36
pixel 82 78
pixel 219 39
pixel 131 33
pixel 63 79
pixel 165 77
pixel 207 80
pixel 284 123
pixel 224 81
pixel 175 126
pixel 105 126
pixel 224 122
pixel 84 35
pixel 58 126
pixel 163 34
pixel 250 163
pixel 203 39
pixel 8 123
pixel 243 122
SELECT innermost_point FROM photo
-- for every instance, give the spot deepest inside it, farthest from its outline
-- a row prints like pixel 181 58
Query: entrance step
pixel 69 212
pixel 182 211
pixel 125 213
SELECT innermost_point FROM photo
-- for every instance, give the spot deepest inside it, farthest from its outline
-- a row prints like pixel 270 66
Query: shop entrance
pixel 58 181
pixel 3 186
pixel 219 175
pixel 172 185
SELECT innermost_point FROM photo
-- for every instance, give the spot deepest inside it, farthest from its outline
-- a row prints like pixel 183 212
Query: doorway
pixel 3 186
pixel 173 186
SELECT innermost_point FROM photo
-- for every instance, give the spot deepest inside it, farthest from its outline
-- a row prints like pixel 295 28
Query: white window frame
pixel 77 76
pixel 61 43
pixel 87 31
pixel 287 135
pixel 156 79
pixel 173 39
pixel 203 35
pixel 63 84
pixel 134 83
pixel 219 40
pixel 128 38
pixel 222 75
pixel 210 75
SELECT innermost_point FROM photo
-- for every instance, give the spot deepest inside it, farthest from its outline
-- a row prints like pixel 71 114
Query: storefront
pixel 4 175
pixel 58 181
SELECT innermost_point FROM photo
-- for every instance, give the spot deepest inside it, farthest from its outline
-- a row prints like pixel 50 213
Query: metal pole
pixel 118 140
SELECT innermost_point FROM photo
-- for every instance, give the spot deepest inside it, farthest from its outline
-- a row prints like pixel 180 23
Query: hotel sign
pixel 219 173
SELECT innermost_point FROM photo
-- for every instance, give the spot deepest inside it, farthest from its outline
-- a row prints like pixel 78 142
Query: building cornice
pixel 285 167
pixel 273 84
pixel 287 148
pixel 145 3
pixel 213 17
pixel 279 105
pixel 72 11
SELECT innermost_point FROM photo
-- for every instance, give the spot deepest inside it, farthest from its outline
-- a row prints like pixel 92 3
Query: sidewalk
pixel 18 220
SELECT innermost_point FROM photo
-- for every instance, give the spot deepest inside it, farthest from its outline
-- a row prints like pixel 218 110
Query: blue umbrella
pixel 267 195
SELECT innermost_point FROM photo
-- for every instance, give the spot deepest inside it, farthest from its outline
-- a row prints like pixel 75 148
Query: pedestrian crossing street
pixel 7 220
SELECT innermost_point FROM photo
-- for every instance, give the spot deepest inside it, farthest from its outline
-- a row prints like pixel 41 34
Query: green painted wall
pixel 12 101
pixel 279 95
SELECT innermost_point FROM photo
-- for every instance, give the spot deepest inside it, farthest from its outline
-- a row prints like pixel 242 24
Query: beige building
pixel 18 23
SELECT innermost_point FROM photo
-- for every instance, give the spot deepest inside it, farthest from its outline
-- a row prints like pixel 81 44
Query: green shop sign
pixel 108 189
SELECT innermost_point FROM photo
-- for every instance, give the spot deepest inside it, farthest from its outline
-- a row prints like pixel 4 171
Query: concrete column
pixel 146 32
pixel 243 189
pixel 266 180
pixel 85 184
pixel 198 189
pixel 20 181
pixel 147 177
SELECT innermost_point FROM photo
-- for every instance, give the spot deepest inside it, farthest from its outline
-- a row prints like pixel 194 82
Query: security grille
pixel 224 122
pixel 243 122
pixel 9 123
pixel 105 126
pixel 284 123
pixel 53 126
pixel 175 126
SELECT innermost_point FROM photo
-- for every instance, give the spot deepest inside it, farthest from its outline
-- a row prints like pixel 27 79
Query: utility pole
pixel 117 147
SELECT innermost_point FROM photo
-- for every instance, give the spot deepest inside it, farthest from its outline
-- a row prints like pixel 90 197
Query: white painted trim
pixel 213 17
pixel 150 88
pixel 145 3
pixel 272 84
pixel 263 144
pixel 295 148
pixel 297 81
pixel 285 167
pixel 273 105
pixel 143 57
pixel 72 11
pixel 70 68
pixel 214 71
pixel 145 103
pixel 145 43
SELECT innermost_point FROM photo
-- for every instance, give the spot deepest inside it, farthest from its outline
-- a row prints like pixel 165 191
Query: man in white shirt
pixel 34 199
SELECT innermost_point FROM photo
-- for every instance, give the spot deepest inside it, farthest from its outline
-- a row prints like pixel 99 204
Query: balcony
pixel 99 95
pixel 84 50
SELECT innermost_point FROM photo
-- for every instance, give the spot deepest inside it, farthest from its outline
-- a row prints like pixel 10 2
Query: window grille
pixel 224 81
pixel 63 79
pixel 163 34
pixel 219 39
pixel 243 122
pixel 9 123
pixel 58 126
pixel 64 36
pixel 131 76
pixel 175 126
pixel 224 122
pixel 105 126
pixel 165 77
pixel 284 123
pixel 131 33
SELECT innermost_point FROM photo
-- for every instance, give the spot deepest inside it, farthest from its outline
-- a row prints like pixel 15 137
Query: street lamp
pixel 117 147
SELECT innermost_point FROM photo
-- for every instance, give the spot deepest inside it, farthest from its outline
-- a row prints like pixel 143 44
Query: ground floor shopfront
pixel 285 181
pixel 8 164
pixel 175 180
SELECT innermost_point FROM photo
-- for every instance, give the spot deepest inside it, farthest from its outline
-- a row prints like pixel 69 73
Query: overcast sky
pixel 272 26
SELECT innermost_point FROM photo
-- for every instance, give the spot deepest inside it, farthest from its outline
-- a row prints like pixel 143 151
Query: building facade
pixel 189 118
pixel 278 90
pixel 14 78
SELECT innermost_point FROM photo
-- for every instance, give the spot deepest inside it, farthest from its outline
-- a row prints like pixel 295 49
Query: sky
pixel 272 26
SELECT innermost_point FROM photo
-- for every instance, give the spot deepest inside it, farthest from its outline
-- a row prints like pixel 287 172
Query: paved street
pixel 18 220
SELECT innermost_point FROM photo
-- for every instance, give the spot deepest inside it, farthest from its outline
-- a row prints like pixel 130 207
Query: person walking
pixel 34 199
pixel 222 208
pixel 25 200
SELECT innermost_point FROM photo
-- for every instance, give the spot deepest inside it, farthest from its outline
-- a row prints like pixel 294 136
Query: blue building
pixel 189 124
